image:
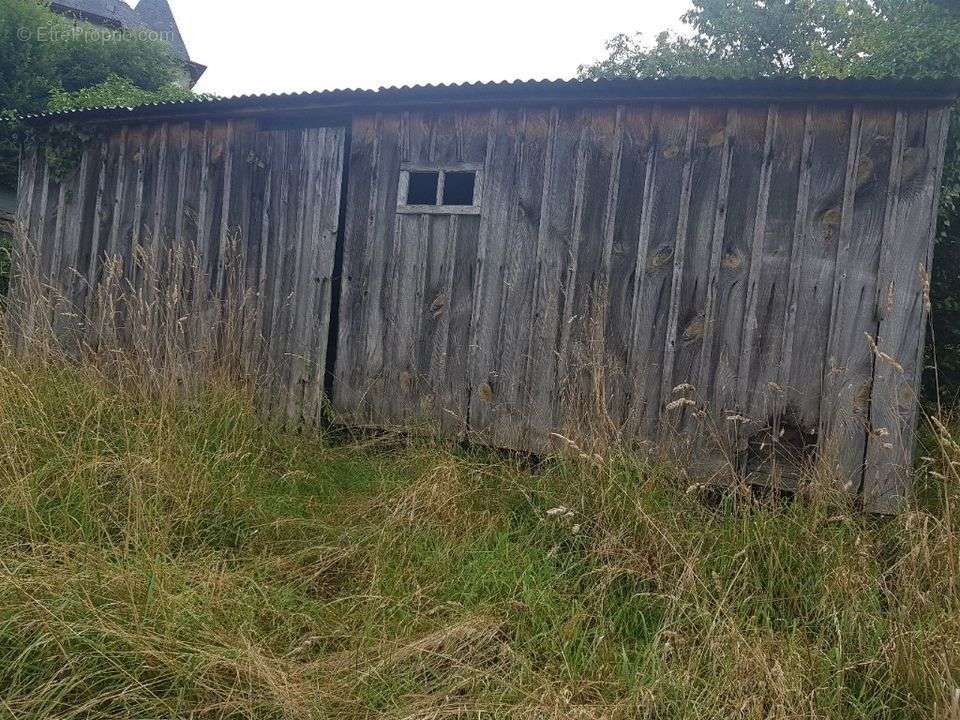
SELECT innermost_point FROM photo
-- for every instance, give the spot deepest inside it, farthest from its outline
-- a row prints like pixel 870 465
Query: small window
pixel 422 189
pixel 451 189
pixel 458 188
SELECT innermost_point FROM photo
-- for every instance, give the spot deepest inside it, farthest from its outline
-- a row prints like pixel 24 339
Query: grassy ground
pixel 167 559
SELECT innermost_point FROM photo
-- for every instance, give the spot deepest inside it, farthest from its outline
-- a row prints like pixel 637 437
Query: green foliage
pixel 807 38
pixel 115 91
pixel 179 558
pixel 46 58
pixel 833 38
pixel 745 38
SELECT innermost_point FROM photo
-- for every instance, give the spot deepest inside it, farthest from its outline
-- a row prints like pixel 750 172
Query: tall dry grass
pixel 164 553
pixel 174 556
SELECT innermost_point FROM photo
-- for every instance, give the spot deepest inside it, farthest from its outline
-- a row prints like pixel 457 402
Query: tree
pixel 49 62
pixel 827 38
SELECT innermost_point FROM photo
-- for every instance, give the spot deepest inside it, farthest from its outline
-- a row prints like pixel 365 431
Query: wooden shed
pixel 737 264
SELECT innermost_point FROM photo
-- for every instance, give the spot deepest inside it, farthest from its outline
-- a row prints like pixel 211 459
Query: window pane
pixel 422 189
pixel 458 188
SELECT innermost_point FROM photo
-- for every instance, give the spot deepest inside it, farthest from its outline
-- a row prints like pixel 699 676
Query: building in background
pixel 153 15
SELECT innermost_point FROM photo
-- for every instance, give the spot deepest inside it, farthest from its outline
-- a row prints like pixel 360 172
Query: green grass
pixel 166 559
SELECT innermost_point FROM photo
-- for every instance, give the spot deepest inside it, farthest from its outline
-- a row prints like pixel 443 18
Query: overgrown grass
pixel 164 558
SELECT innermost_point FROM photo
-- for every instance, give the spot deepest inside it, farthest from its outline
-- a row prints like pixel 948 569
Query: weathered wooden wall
pixel 742 254
pixel 637 272
pixel 253 213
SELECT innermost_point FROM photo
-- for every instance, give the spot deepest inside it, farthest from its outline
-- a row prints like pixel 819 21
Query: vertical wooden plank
pixel 763 398
pixel 499 197
pixel 320 205
pixel 510 411
pixel 37 242
pixel 241 216
pixel 265 174
pixel 472 129
pixel 282 150
pixel 53 247
pixel 581 402
pixel 167 208
pixel 403 287
pixel 320 265
pixel 23 246
pixel 87 221
pixel 795 271
pixel 434 283
pixel 103 206
pixel 47 207
pixel 299 267
pixel 26 182
pixel 134 235
pixel 709 181
pixel 676 296
pixel 553 232
pixel 370 231
pixel 735 254
pixel 351 343
pixel 203 199
pixel 901 304
pixel 119 187
pixel 755 273
pixel 144 272
pixel 126 211
pixel 384 255
pixel 53 252
pixel 637 357
pixel 212 238
pixel 225 235
pixel 69 319
pixel 567 281
pixel 287 255
pixel 830 130
pixel 850 361
pixel 437 243
pixel 187 154
pixel 631 176
pixel 125 239
pixel 256 196
pixel 654 291
pixel 161 188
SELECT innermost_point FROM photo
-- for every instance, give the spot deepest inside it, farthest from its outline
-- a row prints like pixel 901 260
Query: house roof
pixel 148 14
pixel 344 102
pixel 115 12
pixel 157 15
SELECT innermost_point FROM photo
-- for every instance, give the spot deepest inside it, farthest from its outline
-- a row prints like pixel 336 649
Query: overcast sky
pixel 291 45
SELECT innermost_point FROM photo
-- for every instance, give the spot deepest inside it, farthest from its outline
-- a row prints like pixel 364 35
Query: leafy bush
pixel 115 91
pixel 45 58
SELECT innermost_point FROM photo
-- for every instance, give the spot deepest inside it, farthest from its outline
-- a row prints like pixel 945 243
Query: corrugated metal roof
pixel 525 91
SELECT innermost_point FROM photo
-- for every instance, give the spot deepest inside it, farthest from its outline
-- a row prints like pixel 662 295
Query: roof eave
pixel 345 102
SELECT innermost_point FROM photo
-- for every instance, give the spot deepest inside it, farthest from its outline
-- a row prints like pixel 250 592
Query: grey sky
pixel 290 45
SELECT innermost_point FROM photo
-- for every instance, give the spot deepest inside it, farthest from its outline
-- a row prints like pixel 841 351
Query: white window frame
pixel 441 170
